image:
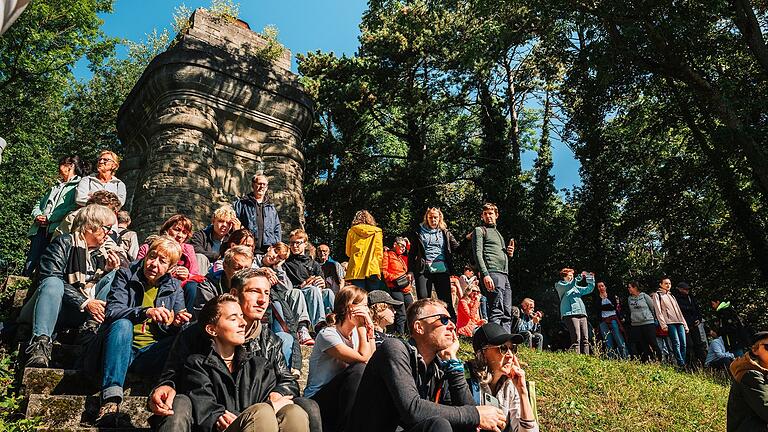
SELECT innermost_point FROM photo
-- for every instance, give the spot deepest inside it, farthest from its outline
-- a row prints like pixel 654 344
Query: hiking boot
pixel 304 337
pixel 39 352
pixel 111 417
pixel 87 332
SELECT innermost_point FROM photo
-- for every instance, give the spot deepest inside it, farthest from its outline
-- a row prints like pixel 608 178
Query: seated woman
pixel 76 271
pixel 145 309
pixel 179 228
pixel 339 356
pixel 469 311
pixel 382 309
pixel 230 387
pixel 103 179
pixel 51 210
pixel 498 379
pixel 748 400
pixel 240 237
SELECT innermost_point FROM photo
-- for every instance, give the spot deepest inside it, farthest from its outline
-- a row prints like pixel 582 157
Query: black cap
pixel 493 334
pixel 683 285
pixel 379 296
pixel 757 337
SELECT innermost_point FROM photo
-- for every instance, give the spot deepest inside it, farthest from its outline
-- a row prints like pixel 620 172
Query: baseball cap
pixel 380 296
pixel 493 334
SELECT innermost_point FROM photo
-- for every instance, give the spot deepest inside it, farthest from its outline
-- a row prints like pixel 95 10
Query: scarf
pixel 77 265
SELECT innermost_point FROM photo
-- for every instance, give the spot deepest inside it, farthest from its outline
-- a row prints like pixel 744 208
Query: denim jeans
pixel 499 301
pixel 119 356
pixel 46 310
pixel 38 243
pixel 677 342
pixel 277 329
pixel 533 340
pixel 319 303
pixel 613 339
pixel 298 304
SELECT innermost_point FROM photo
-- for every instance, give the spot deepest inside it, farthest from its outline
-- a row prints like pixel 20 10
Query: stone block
pixel 68 412
pixel 49 381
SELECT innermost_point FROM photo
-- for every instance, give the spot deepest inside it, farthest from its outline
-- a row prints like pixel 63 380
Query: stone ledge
pixel 67 412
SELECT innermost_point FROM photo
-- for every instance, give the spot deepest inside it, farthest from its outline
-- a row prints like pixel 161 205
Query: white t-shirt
pixel 322 366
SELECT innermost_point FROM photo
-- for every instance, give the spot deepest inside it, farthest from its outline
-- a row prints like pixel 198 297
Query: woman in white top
pixel 499 380
pixel 339 356
pixel 103 179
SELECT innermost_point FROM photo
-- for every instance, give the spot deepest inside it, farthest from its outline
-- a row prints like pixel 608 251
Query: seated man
pixel 207 242
pixel 145 309
pixel 420 385
pixel 307 275
pixel 717 356
pixel 76 271
pixel 530 325
pixel 249 404
pixel 173 412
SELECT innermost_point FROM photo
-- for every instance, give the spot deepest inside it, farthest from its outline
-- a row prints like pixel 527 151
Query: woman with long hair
pixel 339 356
pixel 365 249
pixel 431 257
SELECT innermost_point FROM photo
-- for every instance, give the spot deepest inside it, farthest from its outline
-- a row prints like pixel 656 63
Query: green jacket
pixel 490 250
pixel 748 398
pixel 55 204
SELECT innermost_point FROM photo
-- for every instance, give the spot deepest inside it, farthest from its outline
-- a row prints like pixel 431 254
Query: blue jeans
pixel 190 292
pixel 612 337
pixel 677 342
pixel 319 303
pixel 38 243
pixel 277 329
pixel 499 301
pixel 119 356
pixel 45 309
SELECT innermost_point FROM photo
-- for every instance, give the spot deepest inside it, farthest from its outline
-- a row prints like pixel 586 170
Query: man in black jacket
pixel 174 412
pixel 208 240
pixel 696 337
pixel 419 385
pixel 259 215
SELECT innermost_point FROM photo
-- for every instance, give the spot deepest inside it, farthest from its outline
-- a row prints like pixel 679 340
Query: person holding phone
pixel 498 380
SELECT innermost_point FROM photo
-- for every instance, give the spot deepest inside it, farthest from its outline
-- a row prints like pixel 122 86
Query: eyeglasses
pixel 100 160
pixel 444 319
pixel 106 228
pixel 297 242
pixel 505 350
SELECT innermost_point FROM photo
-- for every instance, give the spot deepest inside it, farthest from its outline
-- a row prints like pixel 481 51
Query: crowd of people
pixel 222 312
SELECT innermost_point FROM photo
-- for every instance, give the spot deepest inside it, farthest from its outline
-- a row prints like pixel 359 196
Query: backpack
pixel 472 259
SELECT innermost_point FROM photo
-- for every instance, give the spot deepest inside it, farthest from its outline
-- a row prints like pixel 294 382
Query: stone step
pixel 70 412
pixel 91 429
pixel 48 381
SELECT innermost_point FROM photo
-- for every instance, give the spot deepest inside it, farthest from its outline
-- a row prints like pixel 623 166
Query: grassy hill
pixel 585 393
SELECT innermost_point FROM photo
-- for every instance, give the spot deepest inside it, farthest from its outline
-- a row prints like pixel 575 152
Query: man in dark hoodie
pixel 748 398
pixel 696 338
pixel 419 385
pixel 259 215
pixel 306 274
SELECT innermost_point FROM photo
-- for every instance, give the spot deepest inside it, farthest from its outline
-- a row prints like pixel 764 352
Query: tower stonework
pixel 204 117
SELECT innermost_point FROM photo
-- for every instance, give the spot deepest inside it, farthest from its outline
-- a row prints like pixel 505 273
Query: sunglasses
pixel 444 319
pixel 505 350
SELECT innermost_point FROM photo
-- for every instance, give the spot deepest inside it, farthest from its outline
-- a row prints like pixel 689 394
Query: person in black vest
pixel 696 338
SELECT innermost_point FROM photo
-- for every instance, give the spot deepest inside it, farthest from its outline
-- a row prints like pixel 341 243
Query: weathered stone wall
pixel 204 117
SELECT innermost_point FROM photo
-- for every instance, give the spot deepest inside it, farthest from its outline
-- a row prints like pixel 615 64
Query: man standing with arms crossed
pixel 492 256
pixel 259 215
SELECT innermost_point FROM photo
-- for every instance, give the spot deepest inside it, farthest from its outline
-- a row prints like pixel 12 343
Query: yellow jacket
pixel 365 249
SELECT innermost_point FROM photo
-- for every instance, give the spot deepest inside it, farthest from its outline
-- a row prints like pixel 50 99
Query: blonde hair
pixel 299 233
pixel 440 223
pixel 115 157
pixel 363 217
pixel 376 312
pixel 93 217
pixel 226 213
pixel 166 246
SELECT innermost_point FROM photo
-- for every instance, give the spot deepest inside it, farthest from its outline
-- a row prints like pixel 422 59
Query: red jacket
pixel 392 267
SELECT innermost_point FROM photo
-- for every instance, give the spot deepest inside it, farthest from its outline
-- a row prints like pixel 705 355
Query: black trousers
pixel 337 397
pixel 399 326
pixel 644 339
pixel 441 282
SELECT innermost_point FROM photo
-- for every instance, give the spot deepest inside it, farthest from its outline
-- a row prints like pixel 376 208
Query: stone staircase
pixel 65 399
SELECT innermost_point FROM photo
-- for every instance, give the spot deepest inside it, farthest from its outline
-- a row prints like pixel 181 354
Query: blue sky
pixel 304 25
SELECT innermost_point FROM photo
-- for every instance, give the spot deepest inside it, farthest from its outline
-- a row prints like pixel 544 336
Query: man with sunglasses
pixel 419 385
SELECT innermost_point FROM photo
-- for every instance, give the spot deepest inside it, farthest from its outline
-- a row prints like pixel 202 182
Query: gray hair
pixel 93 217
pixel 231 253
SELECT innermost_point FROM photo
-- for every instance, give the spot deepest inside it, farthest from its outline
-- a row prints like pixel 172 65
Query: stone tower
pixel 204 117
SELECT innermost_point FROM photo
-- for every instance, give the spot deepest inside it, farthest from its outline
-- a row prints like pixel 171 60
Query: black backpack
pixel 472 258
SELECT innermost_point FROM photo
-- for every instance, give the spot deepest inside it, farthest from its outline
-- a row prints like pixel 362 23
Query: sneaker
pixel 39 352
pixel 304 337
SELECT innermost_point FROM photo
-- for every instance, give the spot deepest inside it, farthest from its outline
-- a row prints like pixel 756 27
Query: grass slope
pixel 585 393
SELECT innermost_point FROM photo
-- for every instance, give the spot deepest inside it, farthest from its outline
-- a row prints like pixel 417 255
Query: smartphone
pixel 491 401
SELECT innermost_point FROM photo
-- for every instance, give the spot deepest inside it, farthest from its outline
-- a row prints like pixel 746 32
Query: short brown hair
pixel 242 276
pixel 565 271
pixel 414 310
pixel 490 206
pixel 186 224
pixel 210 313
pixel 105 198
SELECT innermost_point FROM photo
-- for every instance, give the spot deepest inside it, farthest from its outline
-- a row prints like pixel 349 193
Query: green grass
pixel 585 393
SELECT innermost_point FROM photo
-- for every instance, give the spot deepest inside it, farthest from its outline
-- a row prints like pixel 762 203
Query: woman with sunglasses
pixel 499 380
pixel 469 311
pixel 339 356
pixel 103 179
pixel 431 257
